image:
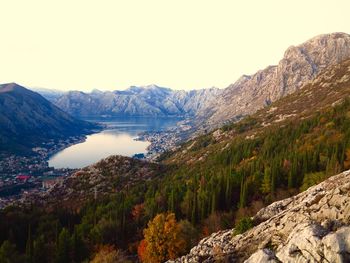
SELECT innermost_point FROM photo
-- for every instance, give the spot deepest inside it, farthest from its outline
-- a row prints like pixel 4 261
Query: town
pixel 163 141
pixel 21 176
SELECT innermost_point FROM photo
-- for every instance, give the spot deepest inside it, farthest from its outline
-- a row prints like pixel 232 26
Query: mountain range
pixel 273 171
pixel 226 177
pixel 210 108
pixel 27 119
pixel 299 65
pixel 148 100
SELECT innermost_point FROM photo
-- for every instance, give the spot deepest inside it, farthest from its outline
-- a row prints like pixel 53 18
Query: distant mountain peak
pixel 28 119
pixel 97 91
pixel 152 86
pixel 299 65
pixel 7 87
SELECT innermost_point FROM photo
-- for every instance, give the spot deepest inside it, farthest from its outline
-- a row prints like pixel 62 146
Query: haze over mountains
pixel 206 108
pixel 296 134
pixel 212 107
pixel 299 65
pixel 27 119
pixel 296 142
pixel 148 100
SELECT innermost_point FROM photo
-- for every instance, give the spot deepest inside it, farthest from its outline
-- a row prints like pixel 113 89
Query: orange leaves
pixel 141 251
pixel 138 211
pixel 162 240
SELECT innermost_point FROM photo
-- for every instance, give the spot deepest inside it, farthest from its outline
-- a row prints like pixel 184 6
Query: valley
pixel 249 173
pixel 120 136
pixel 57 159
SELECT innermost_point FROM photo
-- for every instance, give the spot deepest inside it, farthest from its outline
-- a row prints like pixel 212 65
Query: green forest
pixel 235 179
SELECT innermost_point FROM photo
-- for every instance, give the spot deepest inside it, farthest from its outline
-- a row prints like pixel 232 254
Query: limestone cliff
pixel 151 101
pixel 299 65
pixel 313 226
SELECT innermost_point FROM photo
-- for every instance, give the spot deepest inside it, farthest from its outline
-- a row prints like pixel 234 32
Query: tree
pixel 243 225
pixel 311 179
pixel 29 246
pixel 8 253
pixel 188 233
pixel 347 159
pixel 266 184
pixel 162 239
pixel 40 254
pixel 138 212
pixel 79 250
pixel 63 247
pixel 108 254
pixel 141 251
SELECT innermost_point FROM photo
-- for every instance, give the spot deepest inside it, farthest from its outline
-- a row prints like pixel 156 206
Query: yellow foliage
pixel 163 239
pixel 108 254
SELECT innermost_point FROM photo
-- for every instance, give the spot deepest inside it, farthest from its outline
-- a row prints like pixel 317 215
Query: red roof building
pixel 22 177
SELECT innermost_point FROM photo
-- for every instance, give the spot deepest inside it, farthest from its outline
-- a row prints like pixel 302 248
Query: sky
pixel 182 44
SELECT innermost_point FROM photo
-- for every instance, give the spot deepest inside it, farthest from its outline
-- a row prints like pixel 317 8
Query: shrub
pixel 243 225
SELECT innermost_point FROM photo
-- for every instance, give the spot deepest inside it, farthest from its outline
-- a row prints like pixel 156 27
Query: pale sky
pixel 181 44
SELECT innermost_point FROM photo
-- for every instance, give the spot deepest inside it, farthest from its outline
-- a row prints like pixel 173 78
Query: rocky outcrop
pixel 299 65
pixel 152 101
pixel 313 226
pixel 213 107
pixel 112 174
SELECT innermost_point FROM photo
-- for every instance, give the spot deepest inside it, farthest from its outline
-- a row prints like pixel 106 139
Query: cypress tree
pixel 29 245
pixel 63 247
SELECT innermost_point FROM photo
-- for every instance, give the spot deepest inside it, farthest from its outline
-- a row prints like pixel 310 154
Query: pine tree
pixel 63 248
pixel 29 245
pixel 9 253
pixel 266 183
pixel 40 254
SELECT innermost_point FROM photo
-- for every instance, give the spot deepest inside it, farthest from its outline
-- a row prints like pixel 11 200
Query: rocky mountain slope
pixel 27 119
pixel 220 177
pixel 328 89
pixel 299 65
pixel 110 175
pixel 136 101
pixel 49 94
pixel 312 226
pixel 213 107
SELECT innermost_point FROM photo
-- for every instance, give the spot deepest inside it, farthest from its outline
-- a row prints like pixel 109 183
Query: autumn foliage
pixel 162 240
pixel 108 254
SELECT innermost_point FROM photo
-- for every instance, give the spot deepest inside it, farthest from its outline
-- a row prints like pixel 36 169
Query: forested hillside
pixel 27 120
pixel 212 182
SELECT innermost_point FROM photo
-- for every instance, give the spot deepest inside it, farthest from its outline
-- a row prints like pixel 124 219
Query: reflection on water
pixel 117 138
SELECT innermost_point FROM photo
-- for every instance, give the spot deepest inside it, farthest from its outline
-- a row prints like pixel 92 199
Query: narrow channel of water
pixel 118 138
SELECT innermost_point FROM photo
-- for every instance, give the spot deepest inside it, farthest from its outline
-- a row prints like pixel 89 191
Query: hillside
pixel 214 182
pixel 299 65
pixel 151 101
pixel 312 226
pixel 27 120
pixel 210 108
pixel 330 88
pixel 108 176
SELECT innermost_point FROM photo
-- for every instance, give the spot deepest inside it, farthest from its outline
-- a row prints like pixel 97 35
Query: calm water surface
pixel 118 138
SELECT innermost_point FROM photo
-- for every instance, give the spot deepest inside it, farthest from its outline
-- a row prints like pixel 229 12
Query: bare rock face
pixel 299 65
pixel 313 226
pixel 151 101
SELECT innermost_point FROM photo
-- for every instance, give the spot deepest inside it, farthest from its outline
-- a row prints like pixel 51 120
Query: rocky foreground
pixel 313 226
